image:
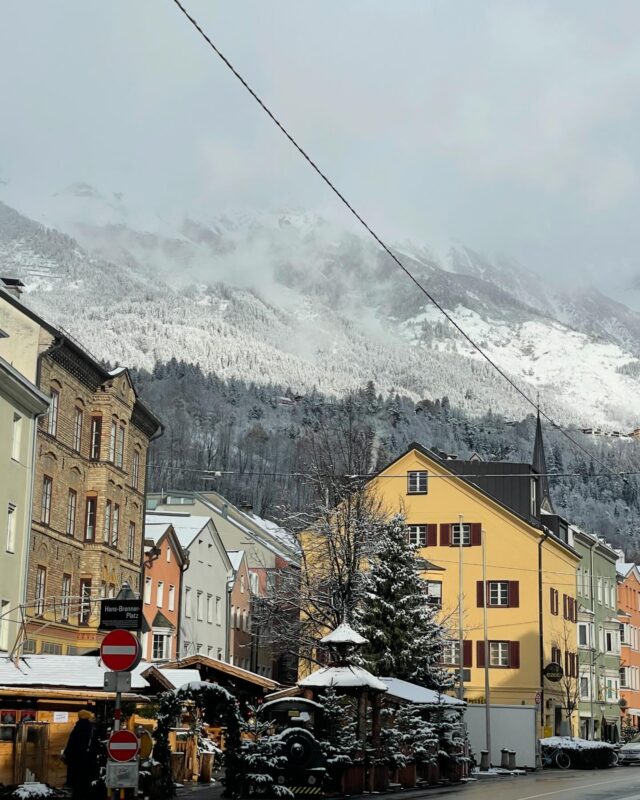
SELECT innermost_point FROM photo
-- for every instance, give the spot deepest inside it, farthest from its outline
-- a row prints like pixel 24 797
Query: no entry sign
pixel 123 746
pixel 120 651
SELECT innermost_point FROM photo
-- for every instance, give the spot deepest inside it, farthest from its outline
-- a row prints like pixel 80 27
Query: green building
pixel 597 689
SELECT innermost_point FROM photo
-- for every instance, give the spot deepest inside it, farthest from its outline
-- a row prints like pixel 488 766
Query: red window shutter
pixel 467 653
pixel 432 535
pixel 566 664
pixel 556 604
pixel 552 600
pixel 575 611
pixel 514 594
pixel 445 534
pixel 480 594
pixel 476 534
pixel 514 655
pixel 564 606
pixel 480 654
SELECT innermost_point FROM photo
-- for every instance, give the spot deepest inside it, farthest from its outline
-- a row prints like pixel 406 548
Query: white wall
pixel 513 727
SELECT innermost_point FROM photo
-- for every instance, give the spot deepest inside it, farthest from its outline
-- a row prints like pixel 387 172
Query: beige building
pixel 89 482
pixel 21 403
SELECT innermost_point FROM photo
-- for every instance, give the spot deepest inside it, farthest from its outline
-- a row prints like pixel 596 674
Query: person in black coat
pixel 80 769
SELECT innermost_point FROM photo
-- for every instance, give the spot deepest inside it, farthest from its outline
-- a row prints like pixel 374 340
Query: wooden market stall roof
pixel 229 671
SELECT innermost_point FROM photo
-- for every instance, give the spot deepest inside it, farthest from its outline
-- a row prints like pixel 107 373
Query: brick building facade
pixel 89 484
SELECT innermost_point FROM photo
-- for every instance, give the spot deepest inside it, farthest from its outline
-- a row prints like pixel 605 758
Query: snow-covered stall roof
pixel 78 672
pixel 343 634
pixel 411 693
pixel 346 677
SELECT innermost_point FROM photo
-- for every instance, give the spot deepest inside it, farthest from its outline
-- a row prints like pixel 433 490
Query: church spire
pixel 539 463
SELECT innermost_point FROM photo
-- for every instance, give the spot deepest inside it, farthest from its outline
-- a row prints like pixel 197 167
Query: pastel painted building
pixel 204 609
pixel 629 617
pixel 240 611
pixel 164 563
pixel 530 590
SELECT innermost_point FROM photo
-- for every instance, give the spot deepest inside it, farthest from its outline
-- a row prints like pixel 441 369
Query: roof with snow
pixel 235 557
pixel 623 568
pixel 346 677
pixel 78 672
pixel 273 529
pixel 343 634
pixel 411 693
pixel 186 526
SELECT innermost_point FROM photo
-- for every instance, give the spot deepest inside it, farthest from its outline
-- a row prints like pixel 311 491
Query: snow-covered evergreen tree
pixel 337 737
pixel 405 636
pixel 261 758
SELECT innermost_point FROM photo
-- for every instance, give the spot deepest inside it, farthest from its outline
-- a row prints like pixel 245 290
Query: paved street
pixel 617 784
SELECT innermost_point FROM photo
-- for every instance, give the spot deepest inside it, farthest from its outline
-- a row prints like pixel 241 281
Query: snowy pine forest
pixel 249 332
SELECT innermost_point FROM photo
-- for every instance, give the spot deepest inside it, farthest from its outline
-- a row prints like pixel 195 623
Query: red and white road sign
pixel 120 651
pixel 123 746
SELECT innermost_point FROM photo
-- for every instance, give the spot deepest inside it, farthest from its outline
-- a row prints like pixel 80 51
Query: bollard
pixel 484 760
pixel 504 761
pixel 512 759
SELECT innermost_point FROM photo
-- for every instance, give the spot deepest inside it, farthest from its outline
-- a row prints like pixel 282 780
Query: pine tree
pixel 261 758
pixel 405 637
pixel 337 738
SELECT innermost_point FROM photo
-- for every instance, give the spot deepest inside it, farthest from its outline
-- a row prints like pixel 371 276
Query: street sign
pixel 123 746
pixel 122 776
pixel 117 681
pixel 121 614
pixel 553 672
pixel 120 651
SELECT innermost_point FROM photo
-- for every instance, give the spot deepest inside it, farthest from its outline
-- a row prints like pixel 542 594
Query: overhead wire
pixel 409 274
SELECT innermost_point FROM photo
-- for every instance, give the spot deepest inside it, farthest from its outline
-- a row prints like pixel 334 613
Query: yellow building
pixel 530 571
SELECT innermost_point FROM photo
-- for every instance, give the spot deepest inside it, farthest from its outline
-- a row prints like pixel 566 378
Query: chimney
pixel 13 286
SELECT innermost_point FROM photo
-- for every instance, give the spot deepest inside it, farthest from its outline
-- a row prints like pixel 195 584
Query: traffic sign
pixel 120 651
pixel 125 614
pixel 123 746
pixel 538 698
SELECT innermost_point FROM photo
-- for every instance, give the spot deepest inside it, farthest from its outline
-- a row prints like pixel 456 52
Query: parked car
pixel 629 753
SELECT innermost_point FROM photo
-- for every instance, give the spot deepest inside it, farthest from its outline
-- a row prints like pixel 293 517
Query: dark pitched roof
pixel 160 621
pixel 539 463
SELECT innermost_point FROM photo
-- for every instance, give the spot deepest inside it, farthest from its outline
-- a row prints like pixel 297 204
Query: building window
pixel 199 605
pixel 131 542
pixel 161 647
pixel 96 436
pixel 219 654
pixel 12 525
pixel 611 642
pixel 160 594
pixel 16 440
pixel 66 597
pixel 418 535
pixel 45 507
pixel 569 608
pixel 168 554
pixel 586 584
pixel 209 608
pixel 41 586
pixel 434 593
pixel 451 652
pixel 108 514
pixel 90 519
pixel 187 601
pixel 218 611
pixel 51 649
pixel 148 582
pixel 112 441
pixel 599 585
pixel 417 482
pixel 585 688
pixel 120 447
pixel 171 600
pixel 85 600
pixel 553 601
pixel 242 583
pixel 115 529
pixel 584 638
pixel 498 593
pixel 498 654
pixel 4 625
pixel 77 429
pixel 72 504
pixel 461 534
pixel 52 417
pixel 135 469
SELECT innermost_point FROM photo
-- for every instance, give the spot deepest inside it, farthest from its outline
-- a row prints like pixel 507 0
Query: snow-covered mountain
pixel 295 299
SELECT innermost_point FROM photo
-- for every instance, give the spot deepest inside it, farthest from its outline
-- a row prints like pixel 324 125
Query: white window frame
pixel 498 594
pixel 187 601
pixel 417 481
pixel 210 608
pixel 78 421
pixel 417 535
pixel 584 677
pixel 466 534
pixel 218 611
pixel 159 594
pixel 451 652
pixel 434 593
pixel 65 607
pixel 585 626
pixel 52 416
pixel 12 527
pixel 499 654
pixel 112 441
pixel 4 625
pixel 16 437
pixel 171 598
pixel 148 589
pixel 166 645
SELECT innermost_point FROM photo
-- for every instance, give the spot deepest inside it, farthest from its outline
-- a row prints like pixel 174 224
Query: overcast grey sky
pixel 511 126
